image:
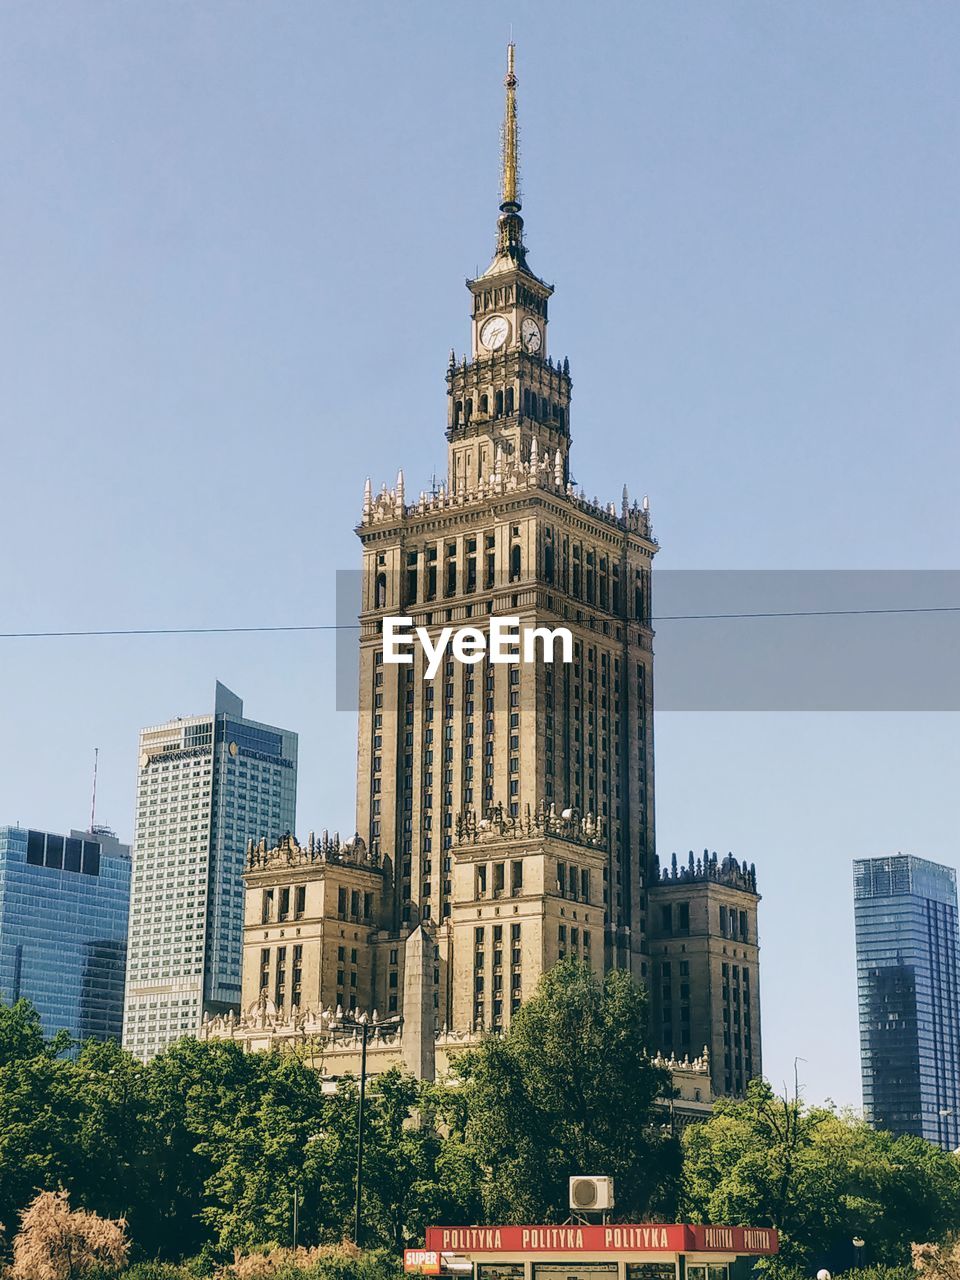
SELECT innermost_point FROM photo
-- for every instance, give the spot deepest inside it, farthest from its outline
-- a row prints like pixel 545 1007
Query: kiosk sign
pixel 426 1261
pixel 620 1238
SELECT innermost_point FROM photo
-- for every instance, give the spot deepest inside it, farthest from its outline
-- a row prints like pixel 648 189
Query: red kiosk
pixel 578 1251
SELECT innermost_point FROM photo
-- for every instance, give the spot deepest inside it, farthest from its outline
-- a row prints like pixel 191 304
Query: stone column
pixel 419 1035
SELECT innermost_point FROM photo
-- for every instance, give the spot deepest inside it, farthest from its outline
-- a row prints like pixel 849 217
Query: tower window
pixel 515 563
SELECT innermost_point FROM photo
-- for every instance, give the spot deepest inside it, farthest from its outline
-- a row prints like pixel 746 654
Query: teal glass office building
pixel 64 907
pixel 905 911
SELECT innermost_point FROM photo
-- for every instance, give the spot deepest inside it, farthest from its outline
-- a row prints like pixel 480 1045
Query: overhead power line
pixel 354 626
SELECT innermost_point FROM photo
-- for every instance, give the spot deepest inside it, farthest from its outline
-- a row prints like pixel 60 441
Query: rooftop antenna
pixel 509 180
pixel 93 801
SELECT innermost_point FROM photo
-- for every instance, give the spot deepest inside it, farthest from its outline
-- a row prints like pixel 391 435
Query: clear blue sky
pixel 233 239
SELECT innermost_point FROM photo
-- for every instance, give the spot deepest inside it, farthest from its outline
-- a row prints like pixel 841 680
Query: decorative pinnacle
pixel 510 192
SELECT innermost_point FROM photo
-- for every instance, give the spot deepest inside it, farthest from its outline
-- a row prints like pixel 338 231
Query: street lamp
pixel 364 1027
pixel 858 1243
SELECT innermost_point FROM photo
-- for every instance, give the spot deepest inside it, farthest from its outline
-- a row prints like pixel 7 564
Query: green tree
pixel 257 1150
pixel 417 1173
pixel 21 1035
pixel 113 1125
pixel 192 1090
pixel 570 1088
pixel 820 1177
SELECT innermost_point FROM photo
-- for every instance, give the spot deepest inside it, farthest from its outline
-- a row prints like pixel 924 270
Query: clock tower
pixel 505 811
pixel 509 392
pixel 511 809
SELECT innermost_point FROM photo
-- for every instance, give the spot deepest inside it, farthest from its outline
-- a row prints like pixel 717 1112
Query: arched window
pixel 484 405
pixel 467 411
pixel 509 408
pixel 457 413
pixel 548 561
pixel 526 401
pixel 515 563
pixel 381 593
pixel 498 404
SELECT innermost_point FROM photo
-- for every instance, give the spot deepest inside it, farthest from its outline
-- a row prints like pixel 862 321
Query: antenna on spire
pixel 509 189
pixel 93 801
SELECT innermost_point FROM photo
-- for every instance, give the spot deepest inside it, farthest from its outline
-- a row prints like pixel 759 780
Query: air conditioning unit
pixel 591 1195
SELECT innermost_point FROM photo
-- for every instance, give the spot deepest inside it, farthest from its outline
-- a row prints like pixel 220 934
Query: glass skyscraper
pixel 64 902
pixel 206 785
pixel 906 927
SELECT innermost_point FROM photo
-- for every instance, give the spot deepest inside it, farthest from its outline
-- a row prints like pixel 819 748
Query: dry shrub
pixel 263 1266
pixel 937 1261
pixel 57 1243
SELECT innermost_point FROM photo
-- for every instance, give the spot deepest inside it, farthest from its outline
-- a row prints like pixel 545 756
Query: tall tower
pixel 705 967
pixel 206 785
pixel 512 806
pixel 907 976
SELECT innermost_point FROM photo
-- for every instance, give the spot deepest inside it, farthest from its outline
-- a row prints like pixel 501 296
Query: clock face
pixel 494 332
pixel 530 334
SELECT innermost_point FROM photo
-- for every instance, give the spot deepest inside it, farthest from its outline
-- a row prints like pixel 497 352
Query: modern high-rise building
pixel 905 910
pixel 64 902
pixel 206 785
pixel 507 810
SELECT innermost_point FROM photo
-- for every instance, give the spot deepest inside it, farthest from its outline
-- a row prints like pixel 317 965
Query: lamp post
pixel 364 1026
pixel 364 1031
pixel 858 1243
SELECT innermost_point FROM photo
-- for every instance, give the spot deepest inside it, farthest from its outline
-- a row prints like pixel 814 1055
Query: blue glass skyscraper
pixel 906 927
pixel 64 905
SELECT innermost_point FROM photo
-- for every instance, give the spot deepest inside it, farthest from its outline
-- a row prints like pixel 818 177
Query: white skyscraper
pixel 206 785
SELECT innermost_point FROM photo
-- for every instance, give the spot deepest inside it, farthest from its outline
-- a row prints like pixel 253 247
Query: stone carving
pixel 290 853
pixel 496 823
pixel 510 474
pixel 700 1064
pixel 709 867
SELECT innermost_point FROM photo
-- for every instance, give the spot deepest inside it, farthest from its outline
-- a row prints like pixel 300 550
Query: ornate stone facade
pixel 505 812
pixel 705 973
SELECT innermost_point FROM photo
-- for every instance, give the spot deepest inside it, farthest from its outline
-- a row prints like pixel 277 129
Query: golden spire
pixel 509 187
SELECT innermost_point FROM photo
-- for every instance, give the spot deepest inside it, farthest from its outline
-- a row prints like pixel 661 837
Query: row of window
pixel 283 904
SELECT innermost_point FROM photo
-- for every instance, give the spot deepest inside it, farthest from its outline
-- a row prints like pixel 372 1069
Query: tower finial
pixel 510 191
